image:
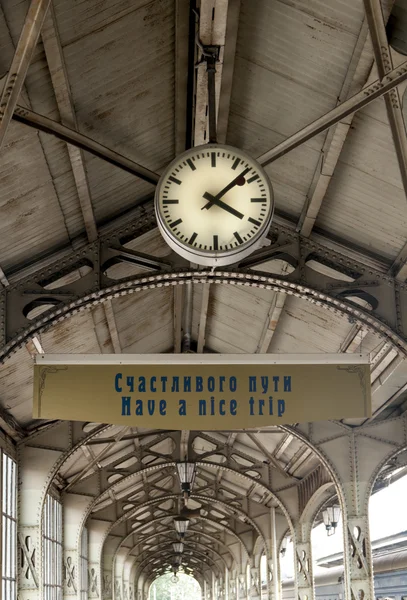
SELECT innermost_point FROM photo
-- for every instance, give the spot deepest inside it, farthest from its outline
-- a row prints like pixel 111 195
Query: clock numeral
pixel 215 242
pixel 193 238
pixel 213 159
pixel 254 178
pixel 258 223
pixel 191 164
pixel 237 236
pixel 175 223
pixel 236 164
pixel 165 202
pixel 175 180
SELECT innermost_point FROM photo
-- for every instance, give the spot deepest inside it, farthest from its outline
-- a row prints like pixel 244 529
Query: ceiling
pixel 122 73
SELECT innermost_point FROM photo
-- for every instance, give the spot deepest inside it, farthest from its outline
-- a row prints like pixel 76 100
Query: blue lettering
pixel 265 384
pixel 202 408
pixel 141 384
pixel 117 381
pixel 281 407
pixel 222 380
pixel 182 411
pixel 252 384
pixel 163 408
pixel 164 384
pixel 233 407
pixel 261 406
pixel 139 408
pixel 222 408
pixel 130 383
pixel 211 384
pixel 151 407
pixel 270 405
pixel 175 384
pixel 187 384
pixel 199 384
pixel 125 406
pixel 153 381
pixel 287 383
pixel 251 402
pixel 276 379
pixel 233 384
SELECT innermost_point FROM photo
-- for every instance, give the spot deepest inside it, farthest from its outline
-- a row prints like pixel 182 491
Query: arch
pixel 202 534
pixel 319 497
pixel 236 277
pixel 158 519
pixel 162 552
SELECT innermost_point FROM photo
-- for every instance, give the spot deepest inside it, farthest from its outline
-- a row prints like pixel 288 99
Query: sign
pixel 204 392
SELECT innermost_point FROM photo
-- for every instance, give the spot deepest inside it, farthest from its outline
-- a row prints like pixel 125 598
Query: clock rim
pixel 212 257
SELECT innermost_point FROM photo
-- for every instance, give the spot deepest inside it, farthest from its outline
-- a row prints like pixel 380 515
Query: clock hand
pixel 215 200
pixel 230 185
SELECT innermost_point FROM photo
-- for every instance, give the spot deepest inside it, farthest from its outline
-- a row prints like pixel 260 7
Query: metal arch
pixel 190 530
pixel 318 499
pixel 201 463
pixel 318 277
pixel 132 512
pixel 215 523
pixel 168 547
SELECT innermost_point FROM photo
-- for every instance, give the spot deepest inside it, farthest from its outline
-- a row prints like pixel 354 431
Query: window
pixel 52 536
pixel 84 565
pixel 8 527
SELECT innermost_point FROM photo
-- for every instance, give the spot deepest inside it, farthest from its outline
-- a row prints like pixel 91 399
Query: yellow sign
pixel 206 393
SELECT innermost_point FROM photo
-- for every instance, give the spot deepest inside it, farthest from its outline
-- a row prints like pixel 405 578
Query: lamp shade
pixel 178 547
pixel 186 474
pixel 336 515
pixel 181 525
pixel 283 546
pixel 327 521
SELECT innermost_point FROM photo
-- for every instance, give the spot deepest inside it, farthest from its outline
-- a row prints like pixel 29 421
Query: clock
pixel 214 205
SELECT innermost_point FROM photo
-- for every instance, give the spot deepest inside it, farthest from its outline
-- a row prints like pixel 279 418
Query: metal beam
pixel 178 295
pixel 206 288
pixel 356 77
pixel 371 92
pixel 59 78
pixel 41 123
pixel 228 68
pixel 21 62
pixel 354 339
pixel 384 64
pixel 272 320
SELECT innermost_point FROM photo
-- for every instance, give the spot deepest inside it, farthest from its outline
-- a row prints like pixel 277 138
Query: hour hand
pixel 221 204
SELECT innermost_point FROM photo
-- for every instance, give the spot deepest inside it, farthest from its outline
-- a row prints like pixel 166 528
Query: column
pixel 35 465
pixel 273 564
pixel 98 587
pixel 358 557
pixel 74 511
pixel 304 578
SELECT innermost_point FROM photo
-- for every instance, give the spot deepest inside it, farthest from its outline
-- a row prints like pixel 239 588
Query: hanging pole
pixel 211 57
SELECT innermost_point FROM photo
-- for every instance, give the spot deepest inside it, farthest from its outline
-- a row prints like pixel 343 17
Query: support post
pixel 273 568
pixel 303 562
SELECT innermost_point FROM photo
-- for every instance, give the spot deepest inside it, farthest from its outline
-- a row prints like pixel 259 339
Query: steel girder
pixel 320 275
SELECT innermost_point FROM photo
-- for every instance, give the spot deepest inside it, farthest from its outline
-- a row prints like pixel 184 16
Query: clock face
pixel 214 204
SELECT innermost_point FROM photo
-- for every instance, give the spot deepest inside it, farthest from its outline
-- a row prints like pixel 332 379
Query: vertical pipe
pixel 274 555
pixel 211 72
pixel 187 336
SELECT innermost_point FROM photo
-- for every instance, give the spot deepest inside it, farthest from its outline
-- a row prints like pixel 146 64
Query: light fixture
pixel 186 474
pixel 331 516
pixel 181 525
pixel 178 547
pixel 283 547
pixel 178 560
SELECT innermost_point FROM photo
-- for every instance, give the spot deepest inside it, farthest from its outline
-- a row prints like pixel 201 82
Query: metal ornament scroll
pixel 226 392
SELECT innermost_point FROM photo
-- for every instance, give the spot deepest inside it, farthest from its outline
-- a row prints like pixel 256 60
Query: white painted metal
pixel 207 359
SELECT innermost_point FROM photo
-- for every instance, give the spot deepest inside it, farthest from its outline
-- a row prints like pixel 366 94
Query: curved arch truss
pixel 81 279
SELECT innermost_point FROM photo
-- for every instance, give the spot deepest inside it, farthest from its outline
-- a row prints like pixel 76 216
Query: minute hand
pixel 221 204
pixel 228 187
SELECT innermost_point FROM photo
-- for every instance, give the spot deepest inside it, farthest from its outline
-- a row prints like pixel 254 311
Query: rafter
pixel 14 82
